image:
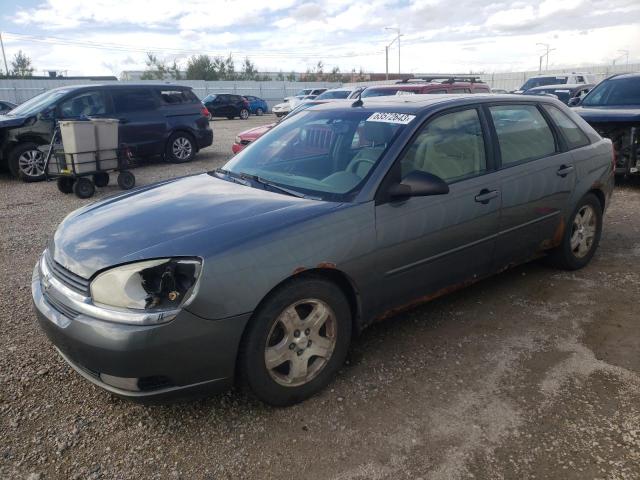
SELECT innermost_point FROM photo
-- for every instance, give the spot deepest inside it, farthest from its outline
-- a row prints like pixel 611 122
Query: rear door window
pixel 572 134
pixel 84 104
pixel 523 133
pixel 440 90
pixel 125 101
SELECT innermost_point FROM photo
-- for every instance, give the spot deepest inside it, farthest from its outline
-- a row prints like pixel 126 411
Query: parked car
pixel 340 93
pixel 613 108
pixel 562 79
pixel 290 103
pixel 262 270
pixel 564 93
pixel 6 106
pixel 431 85
pixel 245 138
pixel 227 105
pixel 166 120
pixel 306 92
pixel 257 106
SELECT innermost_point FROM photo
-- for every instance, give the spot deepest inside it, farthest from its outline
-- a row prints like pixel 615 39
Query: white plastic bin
pixel 106 136
pixel 77 136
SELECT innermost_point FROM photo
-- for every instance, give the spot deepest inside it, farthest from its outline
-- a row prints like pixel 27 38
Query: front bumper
pixel 187 353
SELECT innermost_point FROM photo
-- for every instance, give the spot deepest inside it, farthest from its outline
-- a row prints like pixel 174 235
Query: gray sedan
pixel 262 271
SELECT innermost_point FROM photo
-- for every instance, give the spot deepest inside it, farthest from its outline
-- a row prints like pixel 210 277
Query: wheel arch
pixel 599 194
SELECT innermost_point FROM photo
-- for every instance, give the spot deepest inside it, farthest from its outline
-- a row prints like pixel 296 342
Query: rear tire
pixel 101 179
pixel 65 184
pixel 581 236
pixel 303 357
pixel 181 148
pixel 126 180
pixel 84 188
pixel 259 112
pixel 26 162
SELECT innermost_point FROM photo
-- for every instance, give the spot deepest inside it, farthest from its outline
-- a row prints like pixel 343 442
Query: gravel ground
pixel 534 373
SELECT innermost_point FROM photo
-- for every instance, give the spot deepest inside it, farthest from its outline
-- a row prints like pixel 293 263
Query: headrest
pixel 377 132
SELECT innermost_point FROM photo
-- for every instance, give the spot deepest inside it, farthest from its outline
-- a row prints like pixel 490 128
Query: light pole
pixel 546 46
pixel 386 49
pixel 625 53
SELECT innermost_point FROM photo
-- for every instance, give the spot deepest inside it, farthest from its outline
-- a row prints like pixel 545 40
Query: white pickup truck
pixel 557 79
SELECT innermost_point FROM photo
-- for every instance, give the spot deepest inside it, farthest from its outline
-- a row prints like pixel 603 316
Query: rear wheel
pixel 296 342
pixel 101 179
pixel 65 184
pixel 180 148
pixel 84 188
pixel 126 180
pixel 581 236
pixel 259 112
pixel 26 162
pixel 244 114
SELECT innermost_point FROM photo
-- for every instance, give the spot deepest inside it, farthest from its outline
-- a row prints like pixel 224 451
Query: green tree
pixel 156 68
pixel 200 67
pixel 280 76
pixel 249 71
pixel 335 75
pixel 292 76
pixel 21 65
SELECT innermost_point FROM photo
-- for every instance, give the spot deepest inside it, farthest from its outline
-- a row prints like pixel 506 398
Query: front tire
pixel 581 237
pixel 244 114
pixel 296 342
pixel 259 112
pixel 26 162
pixel 180 148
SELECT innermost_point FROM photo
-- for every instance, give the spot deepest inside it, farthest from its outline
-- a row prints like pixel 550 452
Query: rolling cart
pixel 83 152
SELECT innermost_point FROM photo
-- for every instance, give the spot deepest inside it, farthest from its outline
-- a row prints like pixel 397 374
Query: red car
pixel 432 85
pixel 245 138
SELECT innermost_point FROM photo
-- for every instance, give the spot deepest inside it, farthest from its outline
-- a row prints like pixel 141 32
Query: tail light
pixel 204 111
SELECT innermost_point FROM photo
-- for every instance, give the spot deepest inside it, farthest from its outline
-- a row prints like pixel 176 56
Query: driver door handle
pixel 564 170
pixel 485 196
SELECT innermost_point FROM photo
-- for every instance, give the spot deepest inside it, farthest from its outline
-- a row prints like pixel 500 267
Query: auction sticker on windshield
pixel 397 118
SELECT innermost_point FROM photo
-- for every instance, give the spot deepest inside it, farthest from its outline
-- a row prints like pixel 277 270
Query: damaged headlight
pixel 152 286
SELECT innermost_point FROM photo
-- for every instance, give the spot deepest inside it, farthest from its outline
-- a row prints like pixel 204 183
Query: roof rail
pixel 444 78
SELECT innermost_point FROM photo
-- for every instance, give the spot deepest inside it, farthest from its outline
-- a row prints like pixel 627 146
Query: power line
pixel 51 40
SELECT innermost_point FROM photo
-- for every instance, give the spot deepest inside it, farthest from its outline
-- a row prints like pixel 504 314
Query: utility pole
pixel 547 46
pixel 398 35
pixel 386 61
pixel 626 53
pixel 6 68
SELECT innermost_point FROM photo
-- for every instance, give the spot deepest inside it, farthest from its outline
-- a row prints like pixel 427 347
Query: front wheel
pixel 244 114
pixel 296 342
pixel 26 162
pixel 259 112
pixel 581 237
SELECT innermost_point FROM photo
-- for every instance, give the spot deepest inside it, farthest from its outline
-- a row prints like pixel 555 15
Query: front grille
pixel 68 278
pixel 61 307
pixel 245 142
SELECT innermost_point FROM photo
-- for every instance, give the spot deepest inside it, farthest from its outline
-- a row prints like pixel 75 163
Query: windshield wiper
pixel 267 183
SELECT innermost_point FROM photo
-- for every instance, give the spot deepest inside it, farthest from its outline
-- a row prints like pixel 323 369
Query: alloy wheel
pixel 31 163
pixel 583 231
pixel 182 148
pixel 301 342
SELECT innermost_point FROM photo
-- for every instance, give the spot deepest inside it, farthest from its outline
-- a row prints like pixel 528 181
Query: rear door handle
pixel 564 170
pixel 485 196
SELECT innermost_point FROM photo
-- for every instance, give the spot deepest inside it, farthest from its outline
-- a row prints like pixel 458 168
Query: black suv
pixel 612 108
pixel 166 120
pixel 227 105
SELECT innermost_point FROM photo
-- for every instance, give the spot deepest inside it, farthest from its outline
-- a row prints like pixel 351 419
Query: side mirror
pixel 419 184
pixel 47 114
pixel 574 102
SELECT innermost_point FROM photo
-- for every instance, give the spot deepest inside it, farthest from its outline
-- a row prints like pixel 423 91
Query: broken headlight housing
pixel 157 289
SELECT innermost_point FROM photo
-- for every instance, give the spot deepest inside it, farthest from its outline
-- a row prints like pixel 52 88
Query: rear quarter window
pixel 523 133
pixel 173 97
pixel 572 134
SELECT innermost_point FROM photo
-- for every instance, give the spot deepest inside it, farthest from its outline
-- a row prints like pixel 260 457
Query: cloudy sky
pixel 105 37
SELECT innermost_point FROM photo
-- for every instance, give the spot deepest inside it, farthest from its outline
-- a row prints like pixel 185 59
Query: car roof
pixel 123 85
pixel 563 86
pixel 625 75
pixel 421 102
